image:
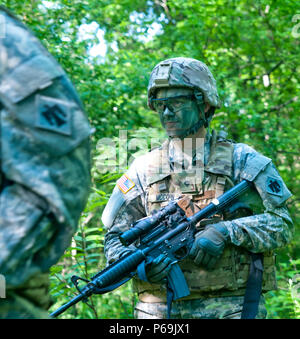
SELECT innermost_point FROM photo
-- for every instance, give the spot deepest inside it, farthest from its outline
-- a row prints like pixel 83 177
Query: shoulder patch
pixel 271 187
pixel 53 114
pixel 125 184
pixel 274 186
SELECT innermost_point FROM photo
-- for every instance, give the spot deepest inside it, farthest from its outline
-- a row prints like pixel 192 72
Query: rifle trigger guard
pixel 75 279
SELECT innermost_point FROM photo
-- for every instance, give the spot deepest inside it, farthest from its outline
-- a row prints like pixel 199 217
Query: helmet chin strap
pixel 192 130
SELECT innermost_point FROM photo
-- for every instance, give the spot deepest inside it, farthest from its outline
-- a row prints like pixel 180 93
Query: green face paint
pixel 178 111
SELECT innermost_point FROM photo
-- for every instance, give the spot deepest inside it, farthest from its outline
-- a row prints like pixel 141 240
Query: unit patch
pixel 53 115
pixel 125 184
pixel 274 186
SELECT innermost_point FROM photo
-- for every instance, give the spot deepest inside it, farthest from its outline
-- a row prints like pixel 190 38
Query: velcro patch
pixel 274 186
pixel 53 115
pixel 163 73
pixel 125 184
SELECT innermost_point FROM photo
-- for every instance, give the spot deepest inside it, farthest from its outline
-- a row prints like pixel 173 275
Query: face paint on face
pixel 178 112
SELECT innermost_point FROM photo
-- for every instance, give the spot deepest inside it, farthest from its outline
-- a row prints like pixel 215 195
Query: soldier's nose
pixel 167 113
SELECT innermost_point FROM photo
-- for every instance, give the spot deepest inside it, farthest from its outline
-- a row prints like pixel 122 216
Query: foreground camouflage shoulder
pixel 44 166
pixel 45 132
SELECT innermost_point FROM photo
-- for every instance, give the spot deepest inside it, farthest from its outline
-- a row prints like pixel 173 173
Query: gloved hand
pixel 158 269
pixel 209 245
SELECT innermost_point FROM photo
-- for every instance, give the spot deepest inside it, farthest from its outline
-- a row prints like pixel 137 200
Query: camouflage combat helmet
pixel 184 72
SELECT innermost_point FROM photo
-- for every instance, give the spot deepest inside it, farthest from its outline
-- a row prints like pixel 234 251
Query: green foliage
pixel 284 303
pixel 249 47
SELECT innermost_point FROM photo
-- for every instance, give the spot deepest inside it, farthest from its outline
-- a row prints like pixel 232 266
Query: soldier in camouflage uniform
pixel 183 92
pixel 44 167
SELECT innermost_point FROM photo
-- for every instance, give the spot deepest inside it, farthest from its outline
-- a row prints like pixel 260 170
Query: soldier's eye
pixel 160 105
pixel 177 103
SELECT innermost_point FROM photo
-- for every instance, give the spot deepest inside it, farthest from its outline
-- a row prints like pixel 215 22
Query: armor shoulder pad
pixel 220 158
pixel 267 180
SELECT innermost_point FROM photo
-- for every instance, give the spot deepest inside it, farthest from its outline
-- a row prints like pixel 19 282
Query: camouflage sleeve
pixel 26 235
pixel 273 226
pixel 262 232
pixel 127 215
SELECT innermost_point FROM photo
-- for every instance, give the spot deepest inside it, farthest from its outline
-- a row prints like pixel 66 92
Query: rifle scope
pixel 144 225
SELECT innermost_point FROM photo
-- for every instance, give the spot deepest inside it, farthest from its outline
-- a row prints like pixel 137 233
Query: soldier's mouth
pixel 171 123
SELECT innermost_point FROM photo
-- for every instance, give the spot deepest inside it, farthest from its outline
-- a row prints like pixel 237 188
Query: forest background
pixel 109 47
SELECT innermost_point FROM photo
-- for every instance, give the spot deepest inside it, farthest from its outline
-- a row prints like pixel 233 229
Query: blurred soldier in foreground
pixel 44 167
pixel 201 165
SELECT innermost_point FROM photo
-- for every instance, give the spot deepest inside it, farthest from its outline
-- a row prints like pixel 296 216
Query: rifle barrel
pixel 221 202
pixel 64 307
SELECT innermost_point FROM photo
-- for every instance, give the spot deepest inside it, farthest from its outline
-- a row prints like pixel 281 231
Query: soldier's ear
pixel 207 107
pixel 209 115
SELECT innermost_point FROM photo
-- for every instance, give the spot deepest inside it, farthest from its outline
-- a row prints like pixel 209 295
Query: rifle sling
pixel 253 287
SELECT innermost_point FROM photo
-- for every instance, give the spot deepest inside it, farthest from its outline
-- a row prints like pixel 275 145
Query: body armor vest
pixel 230 275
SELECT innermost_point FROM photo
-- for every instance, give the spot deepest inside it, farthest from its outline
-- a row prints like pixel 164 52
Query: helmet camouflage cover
pixel 184 72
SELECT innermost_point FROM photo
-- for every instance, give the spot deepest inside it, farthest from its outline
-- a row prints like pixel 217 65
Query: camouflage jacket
pixel 269 228
pixel 44 155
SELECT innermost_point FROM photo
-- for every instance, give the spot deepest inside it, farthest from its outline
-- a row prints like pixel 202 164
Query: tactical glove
pixel 209 245
pixel 159 268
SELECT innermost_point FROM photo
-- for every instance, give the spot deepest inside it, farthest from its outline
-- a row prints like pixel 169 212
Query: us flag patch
pixel 125 184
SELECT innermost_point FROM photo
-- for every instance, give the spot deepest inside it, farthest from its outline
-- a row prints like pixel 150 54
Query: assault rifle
pixel 168 231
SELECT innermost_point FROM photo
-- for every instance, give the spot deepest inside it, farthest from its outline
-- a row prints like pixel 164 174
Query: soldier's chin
pixel 176 133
